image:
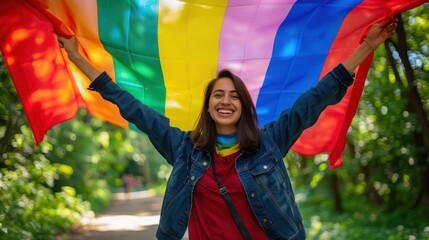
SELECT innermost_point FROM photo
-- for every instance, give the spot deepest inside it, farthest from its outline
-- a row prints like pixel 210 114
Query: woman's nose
pixel 225 100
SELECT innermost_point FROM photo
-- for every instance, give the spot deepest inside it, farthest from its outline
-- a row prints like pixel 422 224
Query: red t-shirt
pixel 210 216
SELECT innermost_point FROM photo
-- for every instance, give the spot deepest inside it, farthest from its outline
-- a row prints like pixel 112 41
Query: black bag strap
pixel 223 191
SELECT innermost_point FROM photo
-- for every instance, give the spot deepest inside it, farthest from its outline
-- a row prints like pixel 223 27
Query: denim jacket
pixel 262 173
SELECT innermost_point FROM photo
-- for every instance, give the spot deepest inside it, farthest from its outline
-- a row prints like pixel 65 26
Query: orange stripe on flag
pixel 81 17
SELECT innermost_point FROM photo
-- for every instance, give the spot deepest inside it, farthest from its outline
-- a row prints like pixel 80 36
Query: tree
pixel 390 132
pixel 415 102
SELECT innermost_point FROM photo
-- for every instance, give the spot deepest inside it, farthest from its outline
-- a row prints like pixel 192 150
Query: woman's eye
pixel 234 97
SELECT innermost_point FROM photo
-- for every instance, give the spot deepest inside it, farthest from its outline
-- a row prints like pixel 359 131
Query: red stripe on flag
pixel 36 66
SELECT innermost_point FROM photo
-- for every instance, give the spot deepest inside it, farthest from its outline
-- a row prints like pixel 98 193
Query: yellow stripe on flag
pixel 189 33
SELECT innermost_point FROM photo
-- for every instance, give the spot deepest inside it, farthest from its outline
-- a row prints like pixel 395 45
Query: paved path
pixel 129 217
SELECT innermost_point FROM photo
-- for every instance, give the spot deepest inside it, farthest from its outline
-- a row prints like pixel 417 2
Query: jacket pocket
pixel 276 195
pixel 268 174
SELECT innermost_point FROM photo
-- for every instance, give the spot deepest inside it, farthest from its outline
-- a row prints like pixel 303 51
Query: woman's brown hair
pixel 248 133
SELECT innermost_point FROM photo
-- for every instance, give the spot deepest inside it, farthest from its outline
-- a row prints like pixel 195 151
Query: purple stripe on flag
pixel 247 38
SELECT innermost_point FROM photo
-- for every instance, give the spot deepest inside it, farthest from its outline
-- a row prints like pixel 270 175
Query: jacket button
pixel 192 178
pixel 265 220
pixel 205 164
pixel 265 167
pixel 252 195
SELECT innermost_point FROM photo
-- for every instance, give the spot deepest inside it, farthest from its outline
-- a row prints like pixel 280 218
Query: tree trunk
pixel 370 191
pixel 333 186
pixel 146 173
pixel 415 106
pixel 305 175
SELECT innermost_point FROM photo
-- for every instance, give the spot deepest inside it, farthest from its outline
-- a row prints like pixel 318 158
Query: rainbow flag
pixel 165 51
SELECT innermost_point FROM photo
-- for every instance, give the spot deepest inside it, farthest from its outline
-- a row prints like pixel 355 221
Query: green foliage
pixel 360 220
pixel 33 205
pixel 29 209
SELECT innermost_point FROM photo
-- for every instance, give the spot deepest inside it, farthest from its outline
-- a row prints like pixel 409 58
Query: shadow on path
pixel 129 217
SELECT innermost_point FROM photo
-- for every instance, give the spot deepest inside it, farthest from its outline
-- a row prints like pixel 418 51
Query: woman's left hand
pixel 380 32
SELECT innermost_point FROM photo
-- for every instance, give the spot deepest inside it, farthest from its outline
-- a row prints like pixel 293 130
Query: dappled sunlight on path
pixel 130 216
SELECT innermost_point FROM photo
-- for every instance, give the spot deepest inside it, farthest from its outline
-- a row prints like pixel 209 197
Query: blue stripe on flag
pixel 300 49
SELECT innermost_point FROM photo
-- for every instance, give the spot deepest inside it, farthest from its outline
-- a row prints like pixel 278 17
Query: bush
pixel 28 207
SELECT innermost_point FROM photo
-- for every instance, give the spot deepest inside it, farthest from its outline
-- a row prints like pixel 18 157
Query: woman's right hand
pixel 70 45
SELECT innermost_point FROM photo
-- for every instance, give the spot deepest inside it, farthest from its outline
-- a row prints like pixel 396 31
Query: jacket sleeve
pixel 308 107
pixel 166 139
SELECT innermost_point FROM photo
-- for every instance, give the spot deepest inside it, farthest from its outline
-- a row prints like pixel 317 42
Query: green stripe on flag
pixel 129 32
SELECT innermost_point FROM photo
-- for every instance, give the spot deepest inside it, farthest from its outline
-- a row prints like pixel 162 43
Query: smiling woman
pixel 249 160
pixel 249 194
pixel 227 108
pixel 158 66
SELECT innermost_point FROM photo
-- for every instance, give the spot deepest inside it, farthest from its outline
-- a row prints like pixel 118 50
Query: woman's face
pixel 225 106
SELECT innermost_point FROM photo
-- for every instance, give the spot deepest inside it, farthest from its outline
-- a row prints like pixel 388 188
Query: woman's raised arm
pixel 72 48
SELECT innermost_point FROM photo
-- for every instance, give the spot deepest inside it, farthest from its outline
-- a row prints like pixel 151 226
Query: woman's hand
pixel 380 32
pixel 377 34
pixel 71 46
